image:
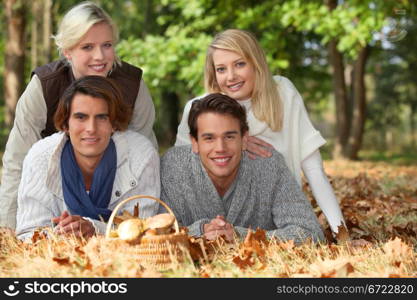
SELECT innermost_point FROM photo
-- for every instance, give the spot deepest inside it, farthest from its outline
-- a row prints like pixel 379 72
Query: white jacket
pixel 30 120
pixel 40 195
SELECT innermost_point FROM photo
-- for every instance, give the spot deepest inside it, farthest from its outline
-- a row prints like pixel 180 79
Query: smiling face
pixel 89 128
pixel 235 75
pixel 219 145
pixel 94 53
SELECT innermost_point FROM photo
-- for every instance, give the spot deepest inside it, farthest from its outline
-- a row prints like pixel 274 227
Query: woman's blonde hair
pixel 266 102
pixel 77 21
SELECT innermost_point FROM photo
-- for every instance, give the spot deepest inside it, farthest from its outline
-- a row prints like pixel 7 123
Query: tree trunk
pixel 41 32
pixel 413 126
pixel 168 118
pixel 14 56
pixel 341 98
pixel 359 105
pixel 148 18
pixel 350 107
pixel 340 93
pixel 47 31
pixel 34 37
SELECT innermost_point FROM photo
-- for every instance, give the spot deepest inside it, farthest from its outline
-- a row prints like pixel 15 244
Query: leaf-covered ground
pixel 378 200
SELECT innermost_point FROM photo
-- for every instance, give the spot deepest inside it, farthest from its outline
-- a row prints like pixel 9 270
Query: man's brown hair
pixel 97 87
pixel 220 104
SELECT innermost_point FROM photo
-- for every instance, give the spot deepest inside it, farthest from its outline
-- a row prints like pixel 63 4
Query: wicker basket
pixel 156 251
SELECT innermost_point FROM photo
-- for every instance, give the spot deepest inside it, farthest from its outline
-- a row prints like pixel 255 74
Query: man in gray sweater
pixel 215 189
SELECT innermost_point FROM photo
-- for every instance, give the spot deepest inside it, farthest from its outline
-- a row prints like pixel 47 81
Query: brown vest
pixel 56 76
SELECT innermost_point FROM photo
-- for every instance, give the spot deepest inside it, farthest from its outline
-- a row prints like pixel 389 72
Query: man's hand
pixel 256 147
pixel 217 227
pixel 72 224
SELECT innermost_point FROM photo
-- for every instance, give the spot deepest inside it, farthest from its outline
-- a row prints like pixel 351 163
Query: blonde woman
pixel 237 67
pixel 86 40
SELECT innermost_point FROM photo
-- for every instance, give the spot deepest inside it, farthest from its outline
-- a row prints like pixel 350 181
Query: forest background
pixel 354 62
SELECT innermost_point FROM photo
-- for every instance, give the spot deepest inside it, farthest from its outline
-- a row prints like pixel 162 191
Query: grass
pixel 378 200
pixel 407 157
pixel 70 257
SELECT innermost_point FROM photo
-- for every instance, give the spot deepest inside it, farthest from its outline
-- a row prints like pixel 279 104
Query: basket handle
pixel 116 209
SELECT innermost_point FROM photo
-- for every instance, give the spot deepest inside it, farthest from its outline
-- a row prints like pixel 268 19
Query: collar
pixel 242 184
pixel 245 103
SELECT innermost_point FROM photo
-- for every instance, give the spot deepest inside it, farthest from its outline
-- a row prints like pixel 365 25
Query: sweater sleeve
pixel 143 116
pixel 33 211
pixel 322 190
pixel 293 215
pixel 30 120
pixel 194 229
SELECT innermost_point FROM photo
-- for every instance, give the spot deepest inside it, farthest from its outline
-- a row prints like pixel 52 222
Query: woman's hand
pixel 257 147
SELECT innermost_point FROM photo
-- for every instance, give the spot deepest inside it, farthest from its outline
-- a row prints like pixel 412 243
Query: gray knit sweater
pixel 266 196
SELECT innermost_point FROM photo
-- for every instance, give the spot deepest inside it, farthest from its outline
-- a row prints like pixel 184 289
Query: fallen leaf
pixel 243 263
pixel 136 211
pixel 79 251
pixel 204 275
pixel 340 267
pixel 342 235
pixel 253 243
pixel 260 236
pixel 61 261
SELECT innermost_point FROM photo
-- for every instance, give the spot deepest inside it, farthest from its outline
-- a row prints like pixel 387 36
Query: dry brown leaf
pixel 201 249
pixel 62 261
pixel 340 267
pixel 260 236
pixel 342 235
pixel 136 211
pixel 330 274
pixel 253 244
pixel 243 263
pixel 38 236
pixel 204 275
pixel 79 251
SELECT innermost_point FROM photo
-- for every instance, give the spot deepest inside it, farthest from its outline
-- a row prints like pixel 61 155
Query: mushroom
pixel 130 229
pixel 161 223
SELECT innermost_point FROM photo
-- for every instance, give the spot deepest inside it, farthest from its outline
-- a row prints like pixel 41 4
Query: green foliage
pixel 168 40
pixel 174 62
pixel 394 104
pixel 353 23
pixel 403 158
